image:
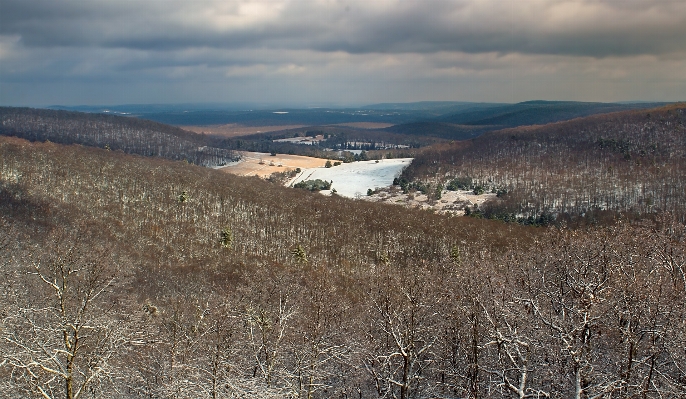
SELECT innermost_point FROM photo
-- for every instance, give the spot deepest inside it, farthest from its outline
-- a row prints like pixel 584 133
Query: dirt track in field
pixel 236 130
pixel 366 125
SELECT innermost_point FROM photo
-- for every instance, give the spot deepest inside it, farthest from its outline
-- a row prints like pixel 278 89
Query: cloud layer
pixel 107 51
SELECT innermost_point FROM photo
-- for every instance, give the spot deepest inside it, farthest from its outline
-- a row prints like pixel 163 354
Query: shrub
pixel 314 185
pixel 460 183
pixel 226 237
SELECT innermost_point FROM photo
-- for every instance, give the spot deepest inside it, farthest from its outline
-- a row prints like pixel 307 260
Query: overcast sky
pixel 313 52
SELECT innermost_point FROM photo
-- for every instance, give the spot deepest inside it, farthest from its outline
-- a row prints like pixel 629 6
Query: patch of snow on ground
pixel 353 179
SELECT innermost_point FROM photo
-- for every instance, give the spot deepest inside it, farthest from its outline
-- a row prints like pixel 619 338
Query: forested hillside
pixel 448 131
pixel 130 135
pixel 534 113
pixel 631 162
pixel 126 276
pixel 471 120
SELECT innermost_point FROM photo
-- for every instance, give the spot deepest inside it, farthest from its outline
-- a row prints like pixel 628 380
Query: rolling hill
pixel 130 135
pixel 129 276
pixel 472 120
pixel 628 162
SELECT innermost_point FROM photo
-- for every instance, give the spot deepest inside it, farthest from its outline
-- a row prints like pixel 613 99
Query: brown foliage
pixel 626 162
pixel 382 308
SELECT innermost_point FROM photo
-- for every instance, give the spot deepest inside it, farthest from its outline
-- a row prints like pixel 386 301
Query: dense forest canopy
pixel 133 276
pixel 128 276
pixel 631 162
pixel 130 135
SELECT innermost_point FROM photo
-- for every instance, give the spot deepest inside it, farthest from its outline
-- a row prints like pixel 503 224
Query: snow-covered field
pixel 353 179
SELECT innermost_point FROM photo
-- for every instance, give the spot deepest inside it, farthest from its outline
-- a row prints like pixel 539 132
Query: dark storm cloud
pixel 592 28
pixel 124 51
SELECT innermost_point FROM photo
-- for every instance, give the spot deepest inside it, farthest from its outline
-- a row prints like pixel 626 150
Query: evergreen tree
pixel 299 254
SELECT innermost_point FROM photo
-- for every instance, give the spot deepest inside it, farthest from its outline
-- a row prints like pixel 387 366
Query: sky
pixel 329 52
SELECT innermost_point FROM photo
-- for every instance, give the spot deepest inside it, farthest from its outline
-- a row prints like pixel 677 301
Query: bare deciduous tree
pixel 62 338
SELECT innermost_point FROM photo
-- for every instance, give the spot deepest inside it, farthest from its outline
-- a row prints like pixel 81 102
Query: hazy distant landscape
pixel 393 199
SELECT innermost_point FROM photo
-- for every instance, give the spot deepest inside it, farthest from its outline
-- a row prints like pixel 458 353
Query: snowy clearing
pixel 353 179
pixel 451 202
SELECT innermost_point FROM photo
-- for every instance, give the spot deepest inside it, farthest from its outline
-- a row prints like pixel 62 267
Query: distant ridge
pixel 471 121
pixel 537 112
pixel 130 135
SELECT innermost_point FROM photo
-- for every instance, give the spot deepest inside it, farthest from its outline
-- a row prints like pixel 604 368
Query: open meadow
pixel 237 130
pixel 263 164
pixel 355 178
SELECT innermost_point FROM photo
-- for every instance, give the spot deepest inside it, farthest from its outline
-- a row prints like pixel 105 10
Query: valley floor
pixel 237 130
pixel 263 164
pixel 452 202
pixel 353 179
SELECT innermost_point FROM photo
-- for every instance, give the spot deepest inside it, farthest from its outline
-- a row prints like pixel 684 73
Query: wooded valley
pixel 133 276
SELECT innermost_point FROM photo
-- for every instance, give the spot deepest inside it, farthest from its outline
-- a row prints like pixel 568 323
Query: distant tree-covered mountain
pixel 212 115
pixel 443 130
pixel 535 113
pixel 471 120
pixel 131 135
pixel 449 120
